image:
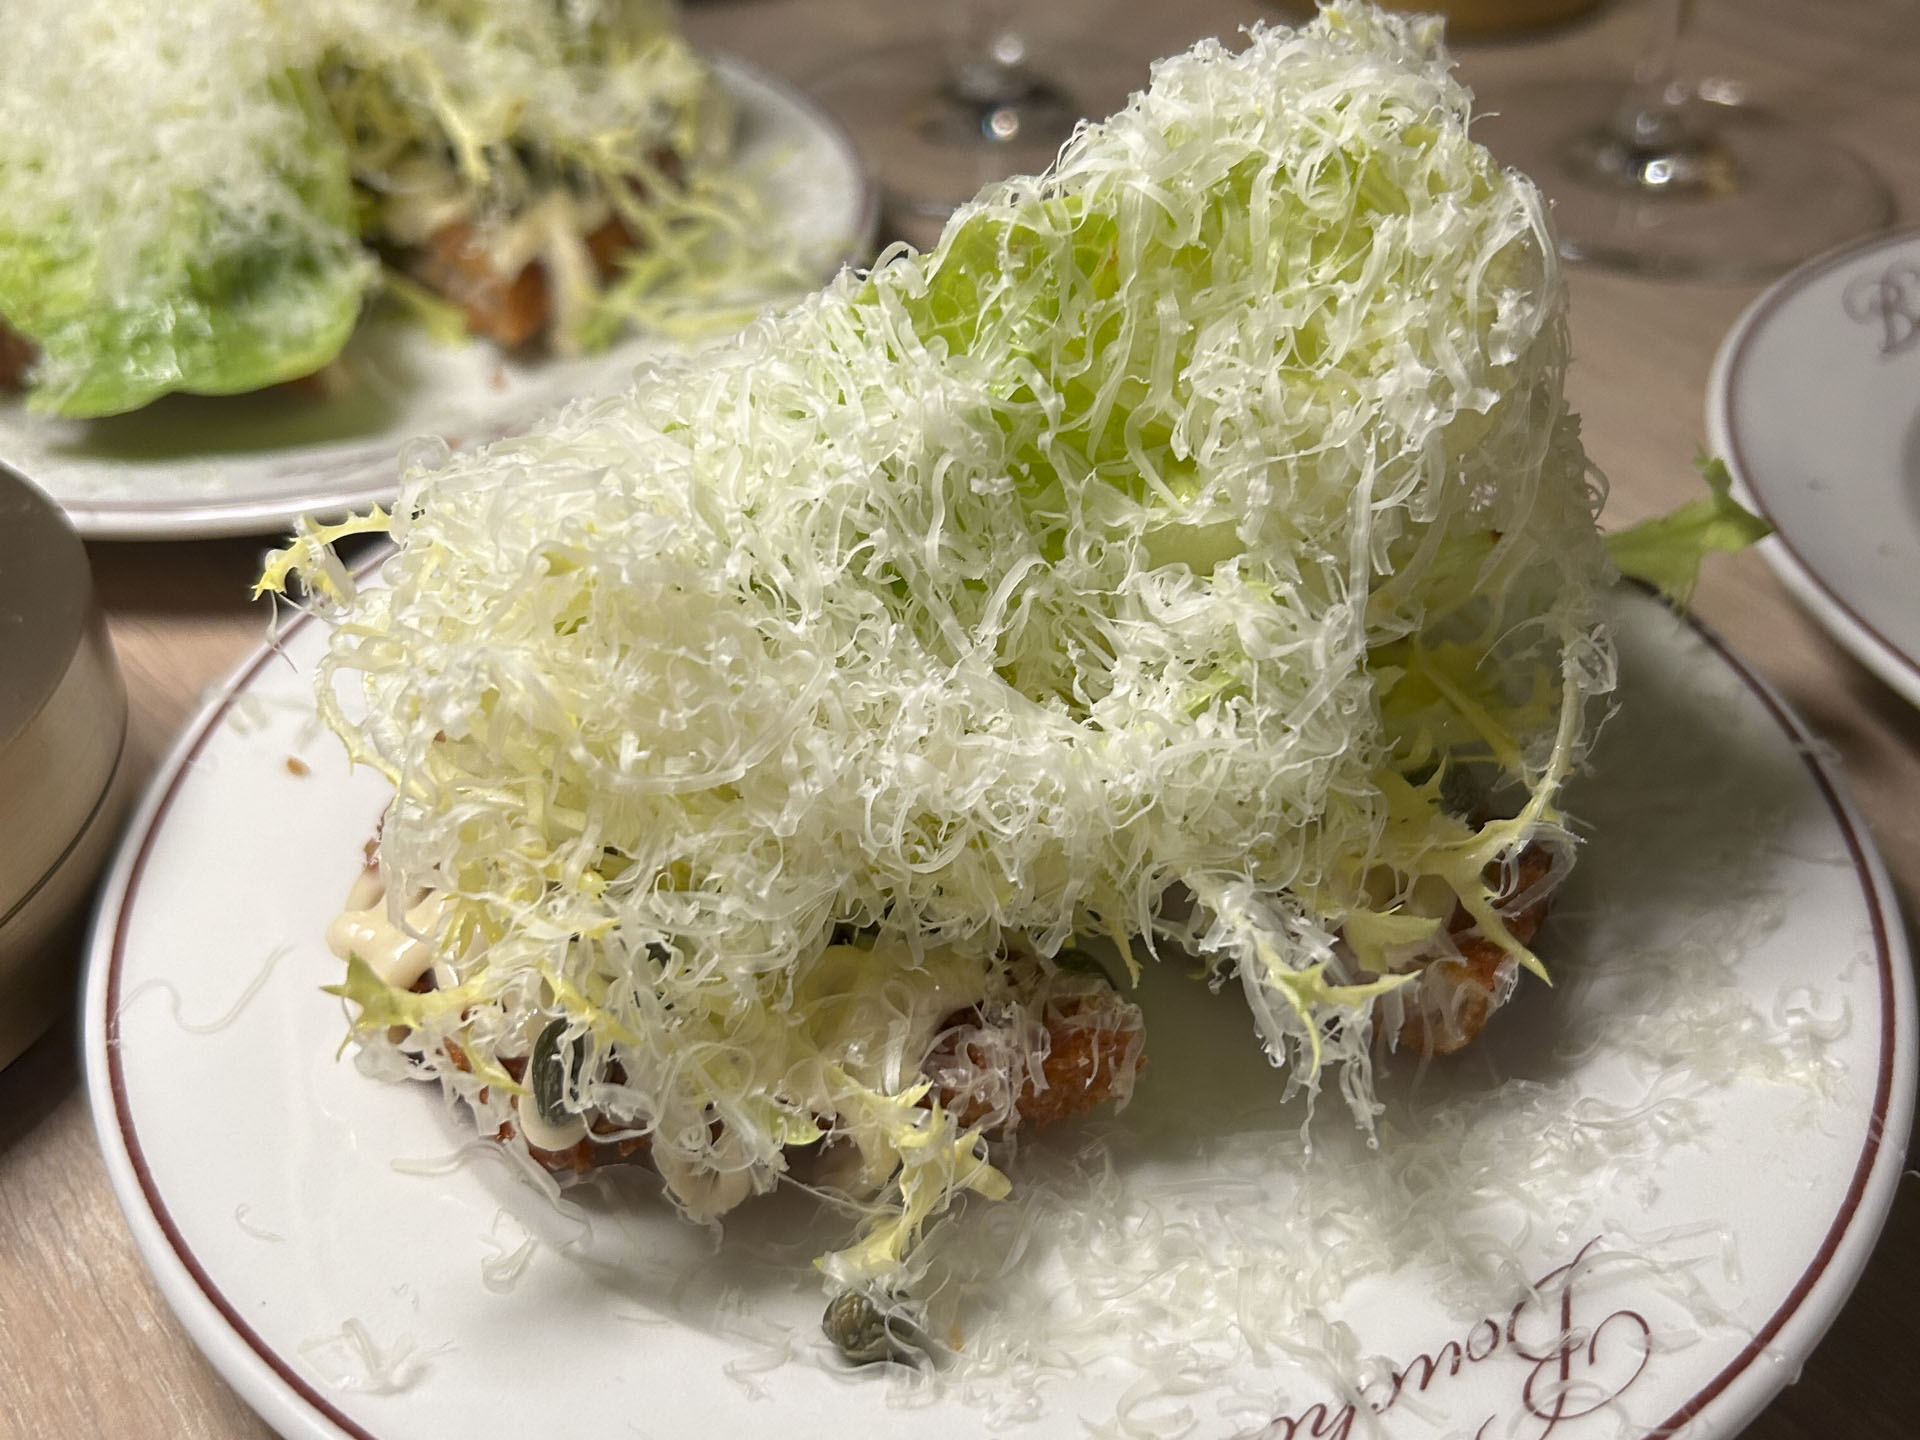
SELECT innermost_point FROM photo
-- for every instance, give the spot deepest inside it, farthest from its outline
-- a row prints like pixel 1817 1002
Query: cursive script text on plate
pixel 1568 1368
pixel 1893 299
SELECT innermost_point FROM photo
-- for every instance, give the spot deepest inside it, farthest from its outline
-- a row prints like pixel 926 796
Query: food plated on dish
pixel 355 1261
pixel 806 774
pixel 207 203
pixel 783 205
pixel 1193 553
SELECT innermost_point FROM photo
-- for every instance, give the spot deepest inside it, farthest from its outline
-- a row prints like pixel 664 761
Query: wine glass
pixel 1661 178
pixel 983 97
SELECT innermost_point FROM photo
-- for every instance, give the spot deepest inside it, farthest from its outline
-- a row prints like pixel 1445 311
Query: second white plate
pixel 1814 404
pixel 191 467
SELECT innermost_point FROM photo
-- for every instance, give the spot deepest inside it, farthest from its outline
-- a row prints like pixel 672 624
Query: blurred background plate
pixel 1814 404
pixel 195 467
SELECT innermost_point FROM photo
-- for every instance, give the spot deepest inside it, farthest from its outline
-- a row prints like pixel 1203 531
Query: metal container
pixel 64 770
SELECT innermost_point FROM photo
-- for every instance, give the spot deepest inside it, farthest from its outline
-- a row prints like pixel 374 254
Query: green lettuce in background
pixel 223 294
pixel 200 198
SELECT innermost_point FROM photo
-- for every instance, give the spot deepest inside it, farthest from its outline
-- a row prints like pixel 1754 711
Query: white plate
pixel 192 467
pixel 1814 403
pixel 1727 889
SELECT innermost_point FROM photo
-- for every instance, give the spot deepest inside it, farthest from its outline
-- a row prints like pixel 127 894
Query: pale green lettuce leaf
pixel 229 298
pixel 1666 551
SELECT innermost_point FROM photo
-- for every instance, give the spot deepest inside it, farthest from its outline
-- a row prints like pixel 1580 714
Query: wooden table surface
pixel 87 1348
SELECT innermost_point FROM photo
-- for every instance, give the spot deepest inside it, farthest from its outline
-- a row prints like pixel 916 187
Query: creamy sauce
pixel 891 1010
pixel 706 1193
pixel 542 1134
pixel 418 199
pixel 397 953
pixel 892 1006
pixel 571 280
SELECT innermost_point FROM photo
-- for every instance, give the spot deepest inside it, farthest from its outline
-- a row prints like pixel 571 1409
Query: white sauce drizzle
pixel 398 952
pixel 540 1132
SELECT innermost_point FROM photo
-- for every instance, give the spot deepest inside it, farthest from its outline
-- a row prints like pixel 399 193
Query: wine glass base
pixel 1032 112
pixel 1749 194
pixel 933 144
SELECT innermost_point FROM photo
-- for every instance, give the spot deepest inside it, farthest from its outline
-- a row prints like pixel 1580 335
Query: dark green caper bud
pixel 866 1336
pixel 1076 961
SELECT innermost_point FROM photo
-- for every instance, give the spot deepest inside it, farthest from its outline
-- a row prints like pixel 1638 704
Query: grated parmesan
pixel 1140 564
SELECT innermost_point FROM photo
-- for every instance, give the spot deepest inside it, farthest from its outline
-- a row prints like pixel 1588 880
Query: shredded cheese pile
pixel 1144 562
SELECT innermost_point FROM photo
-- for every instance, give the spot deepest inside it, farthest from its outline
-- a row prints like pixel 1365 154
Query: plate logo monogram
pixel 1891 299
pixel 1569 1368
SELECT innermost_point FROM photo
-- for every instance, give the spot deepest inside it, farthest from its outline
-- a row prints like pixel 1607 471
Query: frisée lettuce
pixel 585 137
pixel 1193 551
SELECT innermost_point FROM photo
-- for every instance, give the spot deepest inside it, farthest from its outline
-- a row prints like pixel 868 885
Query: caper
pixel 1081 962
pixel 551 1076
pixel 866 1336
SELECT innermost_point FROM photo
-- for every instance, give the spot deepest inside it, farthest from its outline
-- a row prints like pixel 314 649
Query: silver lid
pixel 46 596
pixel 63 776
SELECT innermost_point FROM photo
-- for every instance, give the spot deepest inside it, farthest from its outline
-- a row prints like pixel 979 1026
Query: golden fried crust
pixel 609 244
pixel 510 310
pixel 1460 995
pixel 1093 1053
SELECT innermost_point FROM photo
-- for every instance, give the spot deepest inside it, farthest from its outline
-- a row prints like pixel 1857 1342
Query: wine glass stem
pixel 1650 116
pixel 985 53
